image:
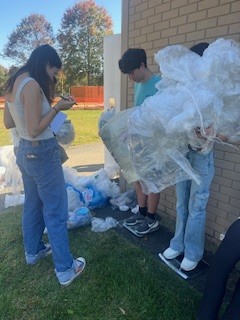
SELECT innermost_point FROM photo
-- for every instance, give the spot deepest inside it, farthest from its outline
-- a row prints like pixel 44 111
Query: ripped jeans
pixel 191 206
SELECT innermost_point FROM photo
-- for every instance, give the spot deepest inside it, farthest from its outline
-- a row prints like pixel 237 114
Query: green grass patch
pixel 85 124
pixel 121 281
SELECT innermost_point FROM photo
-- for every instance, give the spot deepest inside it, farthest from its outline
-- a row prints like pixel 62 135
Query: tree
pixel 32 31
pixel 83 28
pixel 3 79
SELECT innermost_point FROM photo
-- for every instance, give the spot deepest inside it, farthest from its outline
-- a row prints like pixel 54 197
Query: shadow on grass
pixel 121 281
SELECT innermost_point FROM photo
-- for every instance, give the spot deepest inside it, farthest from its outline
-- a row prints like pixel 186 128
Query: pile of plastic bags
pixel 92 191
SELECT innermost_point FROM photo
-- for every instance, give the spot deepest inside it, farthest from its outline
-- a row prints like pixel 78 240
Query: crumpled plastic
pixel 102 225
pixel 114 133
pixel 92 192
pixel 194 92
pixel 79 218
pixel 127 198
pixel 13 200
pixel 66 133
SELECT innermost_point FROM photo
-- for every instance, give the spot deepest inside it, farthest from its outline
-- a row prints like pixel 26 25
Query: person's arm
pixel 209 131
pixel 32 99
pixel 7 118
pixel 224 138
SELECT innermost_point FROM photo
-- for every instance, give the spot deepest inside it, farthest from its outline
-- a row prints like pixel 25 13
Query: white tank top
pixel 16 109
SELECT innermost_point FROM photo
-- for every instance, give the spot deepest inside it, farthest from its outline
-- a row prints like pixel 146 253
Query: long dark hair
pixel 36 67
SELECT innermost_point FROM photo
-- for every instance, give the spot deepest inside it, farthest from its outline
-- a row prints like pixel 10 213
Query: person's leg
pixel 225 258
pixel 142 204
pixel 32 219
pixel 42 164
pixel 233 310
pixel 147 203
pixel 153 200
pixel 141 198
pixel 150 222
pixel 52 191
pixel 182 193
pixel 199 194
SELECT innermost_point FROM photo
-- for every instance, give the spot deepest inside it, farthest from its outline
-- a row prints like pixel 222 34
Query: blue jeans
pixel 191 206
pixel 45 200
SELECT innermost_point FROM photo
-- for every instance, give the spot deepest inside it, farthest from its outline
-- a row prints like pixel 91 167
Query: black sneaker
pixel 136 219
pixel 147 226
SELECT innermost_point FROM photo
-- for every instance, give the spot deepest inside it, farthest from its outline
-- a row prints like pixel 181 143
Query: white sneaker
pixel 169 253
pixel 188 265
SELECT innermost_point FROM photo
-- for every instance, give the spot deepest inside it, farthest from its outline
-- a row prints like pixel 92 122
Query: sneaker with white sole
pixel 188 265
pixel 147 226
pixel 169 254
pixel 133 220
pixel 67 277
pixel 34 258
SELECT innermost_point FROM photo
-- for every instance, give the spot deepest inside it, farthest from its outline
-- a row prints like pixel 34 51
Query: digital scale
pixel 174 264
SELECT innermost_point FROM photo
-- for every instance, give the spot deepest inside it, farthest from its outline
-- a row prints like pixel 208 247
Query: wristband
pixel 55 109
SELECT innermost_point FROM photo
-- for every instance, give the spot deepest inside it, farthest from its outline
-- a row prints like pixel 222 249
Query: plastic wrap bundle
pixel 195 92
pixel 113 130
pixel 65 134
pixel 208 86
pixel 157 157
pixel 79 218
pixel 102 225
pixel 93 191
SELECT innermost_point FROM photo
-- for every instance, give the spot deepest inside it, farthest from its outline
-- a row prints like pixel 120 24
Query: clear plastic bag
pixel 127 198
pixel 13 200
pixel 102 225
pixel 93 191
pixel 114 134
pixel 79 218
pixel 194 92
pixel 66 133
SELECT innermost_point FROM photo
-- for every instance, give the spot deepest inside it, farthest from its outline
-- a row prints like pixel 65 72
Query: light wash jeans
pixel 191 206
pixel 45 200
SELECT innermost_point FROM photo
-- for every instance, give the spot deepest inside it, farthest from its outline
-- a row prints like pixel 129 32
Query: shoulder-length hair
pixel 36 67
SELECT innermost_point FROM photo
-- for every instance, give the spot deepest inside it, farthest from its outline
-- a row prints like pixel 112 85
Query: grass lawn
pixel 121 281
pixel 85 124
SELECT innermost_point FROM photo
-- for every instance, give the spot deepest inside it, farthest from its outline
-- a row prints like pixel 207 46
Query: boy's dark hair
pixel 199 48
pixel 132 59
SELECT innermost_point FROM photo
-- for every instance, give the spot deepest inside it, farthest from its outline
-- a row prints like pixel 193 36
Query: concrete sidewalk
pixel 86 159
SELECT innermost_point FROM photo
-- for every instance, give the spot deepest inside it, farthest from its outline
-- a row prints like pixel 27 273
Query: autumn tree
pixel 80 37
pixel 32 31
pixel 3 79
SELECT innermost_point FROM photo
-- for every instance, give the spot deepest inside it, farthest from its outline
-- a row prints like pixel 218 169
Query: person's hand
pixel 65 103
pixel 209 131
pixel 222 137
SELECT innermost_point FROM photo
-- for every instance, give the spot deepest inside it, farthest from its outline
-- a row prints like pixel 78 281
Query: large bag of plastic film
pixel 113 129
pixel 194 92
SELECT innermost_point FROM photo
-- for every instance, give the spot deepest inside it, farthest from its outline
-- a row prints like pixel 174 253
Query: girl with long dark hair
pixel 29 94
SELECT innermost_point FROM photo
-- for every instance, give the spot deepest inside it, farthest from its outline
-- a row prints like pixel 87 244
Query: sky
pixel 13 11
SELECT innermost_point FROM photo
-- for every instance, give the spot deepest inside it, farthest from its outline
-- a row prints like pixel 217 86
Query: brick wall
pixel 154 24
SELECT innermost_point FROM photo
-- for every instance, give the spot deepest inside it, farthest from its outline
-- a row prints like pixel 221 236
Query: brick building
pixel 154 24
